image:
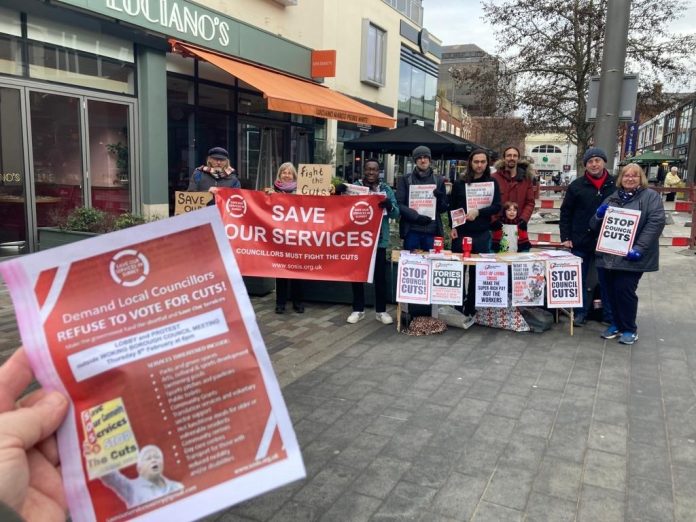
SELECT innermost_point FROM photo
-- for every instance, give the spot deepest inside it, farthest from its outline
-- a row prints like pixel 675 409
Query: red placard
pixel 330 238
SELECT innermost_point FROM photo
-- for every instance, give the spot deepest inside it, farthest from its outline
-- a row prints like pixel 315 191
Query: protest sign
pixel 175 412
pixel 458 217
pixel 528 283
pixel 314 180
pixel 307 237
pixel 564 283
pixel 618 231
pixel 413 283
pixel 356 190
pixel 491 285
pixel 190 201
pixel 447 282
pixel 479 195
pixel 422 200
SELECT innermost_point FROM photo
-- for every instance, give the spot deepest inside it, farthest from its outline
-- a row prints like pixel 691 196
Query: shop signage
pixel 324 64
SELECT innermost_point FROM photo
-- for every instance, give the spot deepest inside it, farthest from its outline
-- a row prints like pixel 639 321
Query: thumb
pixel 30 425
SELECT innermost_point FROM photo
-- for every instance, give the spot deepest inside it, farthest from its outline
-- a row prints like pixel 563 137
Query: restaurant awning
pixel 286 93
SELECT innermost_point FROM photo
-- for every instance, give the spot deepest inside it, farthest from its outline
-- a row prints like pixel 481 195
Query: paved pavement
pixel 484 424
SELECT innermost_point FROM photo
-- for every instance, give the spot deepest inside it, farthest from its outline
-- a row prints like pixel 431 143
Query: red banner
pixel 330 238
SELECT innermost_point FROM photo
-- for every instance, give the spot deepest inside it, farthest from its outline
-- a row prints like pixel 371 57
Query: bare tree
pixel 551 48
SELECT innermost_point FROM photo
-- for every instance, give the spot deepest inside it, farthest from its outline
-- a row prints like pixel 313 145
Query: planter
pixel 50 237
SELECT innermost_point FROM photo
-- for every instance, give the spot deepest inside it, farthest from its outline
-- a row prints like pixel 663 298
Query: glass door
pixel 13 202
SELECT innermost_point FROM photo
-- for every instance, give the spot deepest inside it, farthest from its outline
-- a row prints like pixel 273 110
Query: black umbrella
pixel 403 140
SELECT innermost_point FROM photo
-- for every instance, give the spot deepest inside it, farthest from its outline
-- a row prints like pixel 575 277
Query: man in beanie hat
pixel 583 197
pixel 217 172
pixel 418 231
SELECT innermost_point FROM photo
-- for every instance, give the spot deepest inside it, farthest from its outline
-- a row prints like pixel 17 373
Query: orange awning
pixel 289 94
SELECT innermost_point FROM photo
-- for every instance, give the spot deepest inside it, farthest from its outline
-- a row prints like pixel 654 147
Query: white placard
pixel 564 283
pixel 492 285
pixel 479 195
pixel 422 200
pixel 528 283
pixel 447 281
pixel 618 231
pixel 413 283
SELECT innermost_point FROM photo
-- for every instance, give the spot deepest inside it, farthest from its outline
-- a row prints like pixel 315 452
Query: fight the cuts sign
pixel 309 237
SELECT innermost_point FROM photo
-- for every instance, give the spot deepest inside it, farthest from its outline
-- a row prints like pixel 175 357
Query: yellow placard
pixel 188 201
pixel 314 179
pixel 109 443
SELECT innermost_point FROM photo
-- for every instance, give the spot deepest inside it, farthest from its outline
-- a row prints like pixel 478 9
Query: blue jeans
pixel 418 240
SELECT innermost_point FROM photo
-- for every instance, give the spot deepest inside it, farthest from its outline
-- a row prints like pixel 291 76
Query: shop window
pixel 405 87
pixel 179 90
pixel 373 59
pixel 215 97
pixel 417 91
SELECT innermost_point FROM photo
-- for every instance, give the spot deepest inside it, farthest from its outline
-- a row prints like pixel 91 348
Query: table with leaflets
pixel 551 278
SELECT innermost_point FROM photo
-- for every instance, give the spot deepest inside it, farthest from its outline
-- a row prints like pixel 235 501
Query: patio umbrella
pixel 651 158
pixel 403 140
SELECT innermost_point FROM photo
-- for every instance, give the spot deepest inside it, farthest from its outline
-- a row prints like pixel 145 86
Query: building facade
pixel 553 156
pixel 112 103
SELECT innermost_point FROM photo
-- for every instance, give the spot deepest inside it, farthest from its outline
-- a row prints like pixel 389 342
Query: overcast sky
pixel 460 22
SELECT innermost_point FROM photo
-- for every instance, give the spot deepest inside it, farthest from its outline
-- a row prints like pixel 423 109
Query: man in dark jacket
pixel 583 197
pixel 418 230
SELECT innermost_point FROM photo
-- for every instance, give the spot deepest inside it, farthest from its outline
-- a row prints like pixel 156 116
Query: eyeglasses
pixel 631 175
pixel 422 157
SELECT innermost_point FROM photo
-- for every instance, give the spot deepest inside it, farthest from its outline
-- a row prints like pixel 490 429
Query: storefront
pixel 84 120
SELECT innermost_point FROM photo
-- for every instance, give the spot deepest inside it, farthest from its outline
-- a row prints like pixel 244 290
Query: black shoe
pixel 280 309
pixel 298 307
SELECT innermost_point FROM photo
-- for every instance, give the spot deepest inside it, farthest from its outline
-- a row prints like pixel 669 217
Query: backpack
pixel 538 319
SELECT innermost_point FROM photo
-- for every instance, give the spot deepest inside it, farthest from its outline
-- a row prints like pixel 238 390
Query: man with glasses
pixel 417 230
pixel 583 197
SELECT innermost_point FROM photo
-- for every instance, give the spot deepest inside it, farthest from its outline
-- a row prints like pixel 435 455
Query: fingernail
pixel 54 399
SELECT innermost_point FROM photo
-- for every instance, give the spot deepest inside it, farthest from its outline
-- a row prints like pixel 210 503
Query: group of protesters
pixel 500 226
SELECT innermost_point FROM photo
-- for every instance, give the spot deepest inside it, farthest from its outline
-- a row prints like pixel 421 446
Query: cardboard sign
pixel 314 180
pixel 492 285
pixel 564 283
pixel 528 283
pixel 458 217
pixel 479 195
pixel 447 281
pixel 175 412
pixel 189 201
pixel 413 283
pixel 422 200
pixel 618 231
pixel 305 237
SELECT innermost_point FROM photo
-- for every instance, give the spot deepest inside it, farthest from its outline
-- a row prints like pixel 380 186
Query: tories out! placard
pixel 309 237
pixel 175 410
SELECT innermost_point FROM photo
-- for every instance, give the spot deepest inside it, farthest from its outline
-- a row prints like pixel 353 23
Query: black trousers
pixel 296 291
pixel 380 282
pixel 621 289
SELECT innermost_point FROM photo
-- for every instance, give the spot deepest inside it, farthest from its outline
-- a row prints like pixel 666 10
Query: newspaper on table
pixel 492 285
pixel 479 195
pixel 175 411
pixel 458 217
pixel 447 281
pixel 528 283
pixel 618 231
pixel 422 200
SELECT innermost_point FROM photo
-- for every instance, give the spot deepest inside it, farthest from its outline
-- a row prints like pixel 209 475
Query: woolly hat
pixel 593 152
pixel 421 150
pixel 218 153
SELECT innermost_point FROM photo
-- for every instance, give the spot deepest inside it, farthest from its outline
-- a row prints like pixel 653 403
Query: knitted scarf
pixel 625 196
pixel 217 173
pixel 285 186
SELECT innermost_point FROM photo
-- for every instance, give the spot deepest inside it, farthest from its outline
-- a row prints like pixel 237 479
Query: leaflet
pixel 175 411
pixel 422 200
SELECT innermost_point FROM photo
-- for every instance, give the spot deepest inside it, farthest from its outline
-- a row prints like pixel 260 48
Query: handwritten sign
pixel 618 231
pixel 314 179
pixel 479 195
pixel 422 200
pixel 491 285
pixel 189 201
pixel 447 282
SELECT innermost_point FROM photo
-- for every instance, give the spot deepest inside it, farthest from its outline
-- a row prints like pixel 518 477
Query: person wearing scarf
pixel 217 172
pixel 286 183
pixel 581 200
pixel 622 273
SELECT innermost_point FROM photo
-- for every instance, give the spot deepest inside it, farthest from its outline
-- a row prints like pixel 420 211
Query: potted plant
pixel 120 151
pixel 81 223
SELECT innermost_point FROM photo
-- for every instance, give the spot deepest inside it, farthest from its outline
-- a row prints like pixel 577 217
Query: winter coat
pixel 201 181
pixel 672 180
pixel 482 223
pixel 647 242
pixel 407 222
pixel 579 205
pixel 393 214
pixel 518 188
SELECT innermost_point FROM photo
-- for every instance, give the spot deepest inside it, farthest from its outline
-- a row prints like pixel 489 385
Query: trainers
pixel 355 317
pixel 628 338
pixel 384 318
pixel 611 333
pixel 468 321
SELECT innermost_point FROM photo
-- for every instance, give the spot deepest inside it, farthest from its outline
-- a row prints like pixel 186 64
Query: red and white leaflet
pixel 458 217
pixel 175 411
pixel 356 190
pixel 564 283
pixel 422 200
pixel 618 231
pixel 479 195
